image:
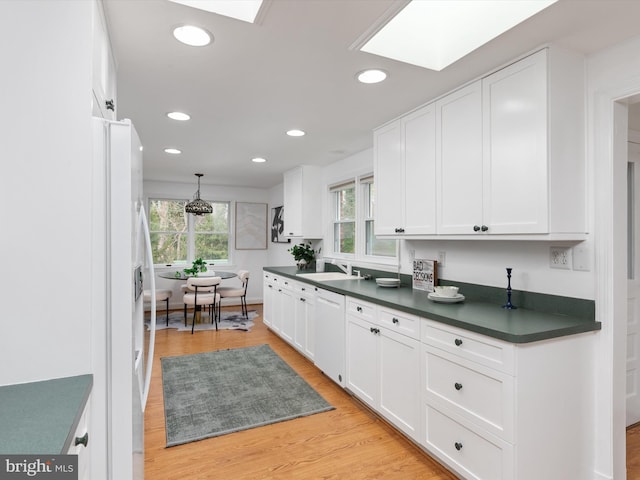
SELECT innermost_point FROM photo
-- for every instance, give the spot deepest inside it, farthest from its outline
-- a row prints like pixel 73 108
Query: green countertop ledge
pixel 41 418
pixel 515 326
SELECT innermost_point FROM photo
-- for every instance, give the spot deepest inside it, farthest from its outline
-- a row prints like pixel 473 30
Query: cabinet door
pixel 388 172
pixel 362 360
pixel 515 147
pixel 293 202
pixel 310 321
pixel 267 301
pixel 399 378
pixel 104 77
pixel 287 314
pixel 459 160
pixel 419 189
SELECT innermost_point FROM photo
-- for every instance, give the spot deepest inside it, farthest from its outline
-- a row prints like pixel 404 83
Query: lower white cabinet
pixel 80 444
pixel 383 366
pixel 305 315
pixel 496 410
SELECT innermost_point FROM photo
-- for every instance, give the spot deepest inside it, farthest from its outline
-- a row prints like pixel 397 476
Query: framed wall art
pixel 251 226
pixel 277 225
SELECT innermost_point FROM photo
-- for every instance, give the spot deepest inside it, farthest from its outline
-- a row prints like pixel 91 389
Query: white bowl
pixel 447 291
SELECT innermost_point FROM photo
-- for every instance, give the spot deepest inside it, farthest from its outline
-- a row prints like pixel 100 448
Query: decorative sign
pixel 425 274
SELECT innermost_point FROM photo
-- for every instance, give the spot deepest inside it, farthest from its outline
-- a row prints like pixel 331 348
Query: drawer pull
pixel 303 299
pixel 83 440
pixel 359 309
pixel 374 330
pixel 458 386
pixel 458 446
pixel 458 341
pixel 395 320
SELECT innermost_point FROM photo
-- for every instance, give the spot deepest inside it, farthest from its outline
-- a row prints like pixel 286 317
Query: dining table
pixel 180 275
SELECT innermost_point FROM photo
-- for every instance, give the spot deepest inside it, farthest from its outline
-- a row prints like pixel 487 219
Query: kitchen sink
pixel 327 276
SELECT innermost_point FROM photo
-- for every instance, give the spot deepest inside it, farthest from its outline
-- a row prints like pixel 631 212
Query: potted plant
pixel 198 266
pixel 303 254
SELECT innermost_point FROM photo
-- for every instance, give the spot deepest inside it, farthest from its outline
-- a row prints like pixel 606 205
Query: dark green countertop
pixel 515 326
pixel 42 417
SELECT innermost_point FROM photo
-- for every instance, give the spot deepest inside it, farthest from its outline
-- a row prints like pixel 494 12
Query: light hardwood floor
pixel 349 442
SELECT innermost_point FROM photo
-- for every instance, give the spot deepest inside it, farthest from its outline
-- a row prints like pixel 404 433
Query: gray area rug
pixel 228 321
pixel 215 393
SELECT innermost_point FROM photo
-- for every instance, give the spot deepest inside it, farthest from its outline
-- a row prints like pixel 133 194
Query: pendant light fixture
pixel 197 206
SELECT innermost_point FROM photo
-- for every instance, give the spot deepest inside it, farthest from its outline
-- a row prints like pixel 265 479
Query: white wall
pixel 45 189
pixel 252 260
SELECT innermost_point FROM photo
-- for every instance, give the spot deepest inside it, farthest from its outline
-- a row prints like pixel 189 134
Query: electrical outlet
pixel 560 257
pixel 441 258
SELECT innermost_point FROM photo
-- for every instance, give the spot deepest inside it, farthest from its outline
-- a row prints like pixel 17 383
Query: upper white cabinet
pixel 509 157
pixel 459 160
pixel 104 70
pixel 303 202
pixel 404 168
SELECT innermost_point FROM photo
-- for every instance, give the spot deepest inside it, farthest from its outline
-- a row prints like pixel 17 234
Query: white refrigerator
pixel 122 352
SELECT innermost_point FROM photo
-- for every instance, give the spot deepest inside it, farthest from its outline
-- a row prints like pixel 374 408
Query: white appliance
pixel 122 352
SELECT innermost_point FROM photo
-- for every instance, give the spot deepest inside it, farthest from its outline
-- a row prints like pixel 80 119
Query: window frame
pixel 359 182
pixel 191 233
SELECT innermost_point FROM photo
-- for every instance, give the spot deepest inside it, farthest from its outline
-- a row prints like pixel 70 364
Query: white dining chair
pixel 238 292
pixel 161 296
pixel 201 292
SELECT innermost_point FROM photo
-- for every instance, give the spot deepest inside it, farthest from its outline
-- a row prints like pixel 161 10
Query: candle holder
pixel 509 305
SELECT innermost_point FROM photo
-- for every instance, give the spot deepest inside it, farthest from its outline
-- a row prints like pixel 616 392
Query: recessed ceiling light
pixel 173 151
pixel 246 10
pixel 191 35
pixel 258 160
pixel 178 116
pixel 373 75
pixel 296 133
pixel 436 33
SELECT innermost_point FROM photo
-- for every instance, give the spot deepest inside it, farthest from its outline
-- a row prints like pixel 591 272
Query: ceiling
pixel 295 69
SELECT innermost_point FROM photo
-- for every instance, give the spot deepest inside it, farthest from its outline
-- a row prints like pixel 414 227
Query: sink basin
pixel 327 276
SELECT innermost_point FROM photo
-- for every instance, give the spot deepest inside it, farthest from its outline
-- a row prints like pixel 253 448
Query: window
pixel 373 246
pixel 344 224
pixel 177 237
pixel 353 222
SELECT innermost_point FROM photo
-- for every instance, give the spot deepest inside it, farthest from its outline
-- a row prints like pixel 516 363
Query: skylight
pixel 245 10
pixel 433 34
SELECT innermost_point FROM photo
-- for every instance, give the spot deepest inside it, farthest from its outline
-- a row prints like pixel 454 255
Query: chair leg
pixel 185 314
pixel 167 312
pixel 193 322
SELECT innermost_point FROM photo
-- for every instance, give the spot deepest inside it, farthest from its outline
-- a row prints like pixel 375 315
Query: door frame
pixel 608 133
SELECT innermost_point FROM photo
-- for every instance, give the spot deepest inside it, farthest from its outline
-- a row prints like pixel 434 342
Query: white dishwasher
pixel 330 335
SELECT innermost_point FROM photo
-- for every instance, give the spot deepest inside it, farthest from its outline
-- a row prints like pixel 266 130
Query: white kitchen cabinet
pixel 304 314
pixel 302 202
pixel 533 123
pixel 491 409
pixel 383 365
pixel 81 444
pixel 104 71
pixel 404 171
pixel 267 299
pixel 286 309
pixel 330 335
pixel 459 168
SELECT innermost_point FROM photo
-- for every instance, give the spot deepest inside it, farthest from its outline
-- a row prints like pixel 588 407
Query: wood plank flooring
pixel 349 442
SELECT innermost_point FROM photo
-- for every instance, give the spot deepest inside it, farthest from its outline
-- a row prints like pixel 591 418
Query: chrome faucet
pixel 346 268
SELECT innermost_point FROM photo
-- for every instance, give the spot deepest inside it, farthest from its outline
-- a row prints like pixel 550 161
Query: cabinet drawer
pixel 361 309
pixel 471 346
pixel 479 394
pixel 400 322
pixel 471 453
pixel 303 288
